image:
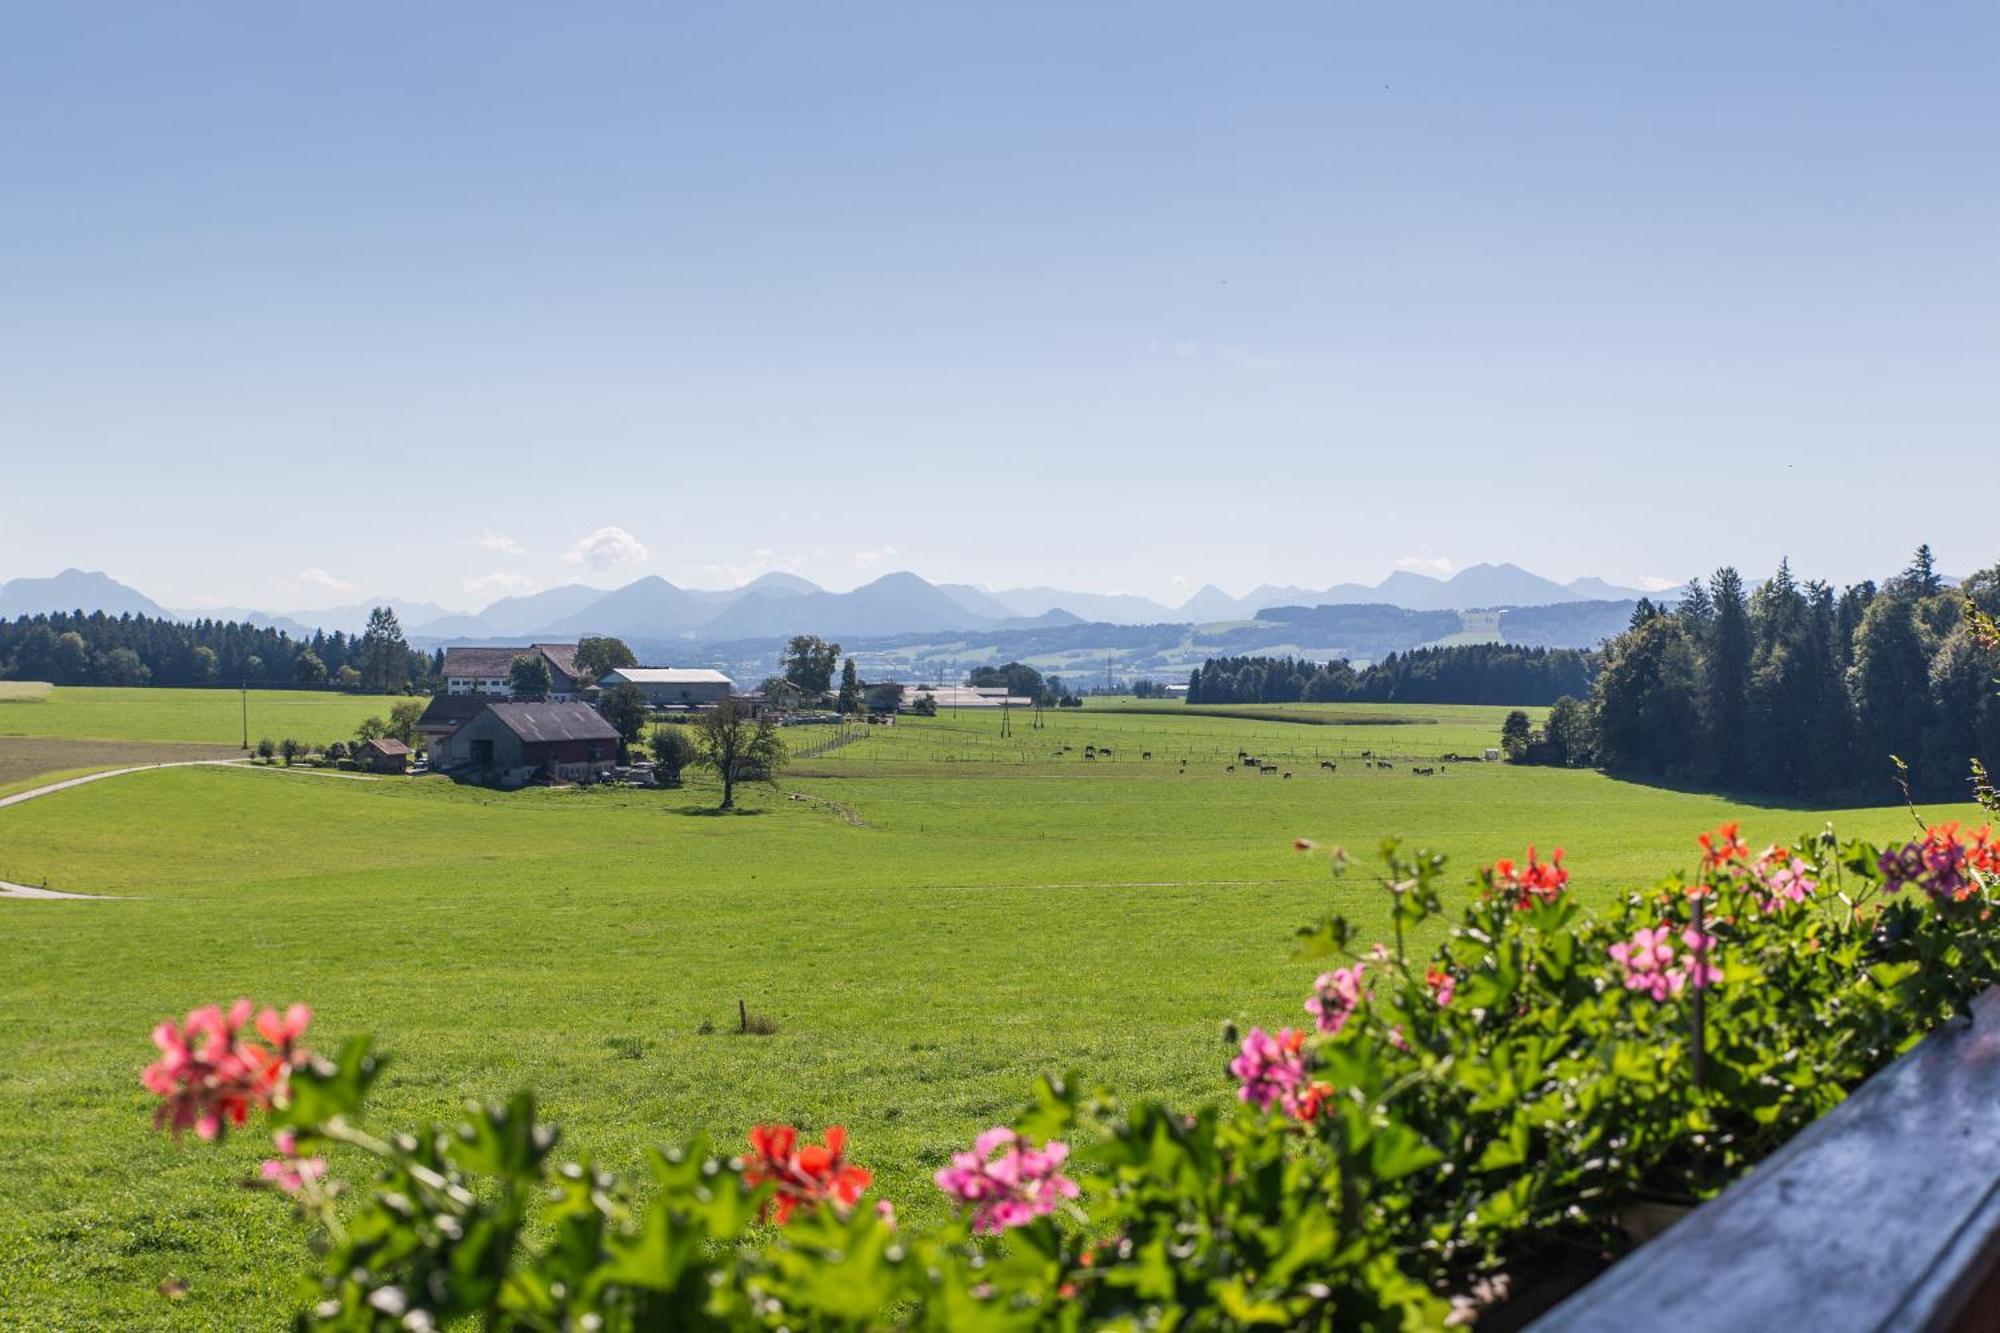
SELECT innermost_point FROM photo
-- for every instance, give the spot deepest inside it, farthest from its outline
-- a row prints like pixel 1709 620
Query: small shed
pixel 385 754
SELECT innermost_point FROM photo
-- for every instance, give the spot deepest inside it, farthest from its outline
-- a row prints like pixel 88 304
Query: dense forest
pixel 77 649
pixel 1479 673
pixel 1792 689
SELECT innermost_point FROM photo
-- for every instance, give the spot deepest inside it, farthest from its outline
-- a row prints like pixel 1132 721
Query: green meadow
pixel 943 914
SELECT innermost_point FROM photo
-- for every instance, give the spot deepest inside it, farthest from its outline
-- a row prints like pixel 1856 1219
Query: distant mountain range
pixel 777 605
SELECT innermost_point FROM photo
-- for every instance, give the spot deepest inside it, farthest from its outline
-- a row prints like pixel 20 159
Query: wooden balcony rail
pixel 1882 1216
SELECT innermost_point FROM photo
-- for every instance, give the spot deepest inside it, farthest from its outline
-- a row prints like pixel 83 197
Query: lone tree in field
pixel 597 654
pixel 1515 734
pixel 624 707
pixel 850 689
pixel 737 747
pixel 528 677
pixel 385 657
pixel 809 663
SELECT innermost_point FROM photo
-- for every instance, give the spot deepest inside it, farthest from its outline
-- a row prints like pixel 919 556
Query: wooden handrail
pixel 1884 1215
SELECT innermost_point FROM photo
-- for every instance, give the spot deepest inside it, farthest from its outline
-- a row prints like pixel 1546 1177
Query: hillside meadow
pixel 944 914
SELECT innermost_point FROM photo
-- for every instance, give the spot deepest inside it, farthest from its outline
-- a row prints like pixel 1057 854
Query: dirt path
pixel 8 890
pixel 51 788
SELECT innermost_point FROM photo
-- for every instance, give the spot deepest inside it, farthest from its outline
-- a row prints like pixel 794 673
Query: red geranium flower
pixel 805 1176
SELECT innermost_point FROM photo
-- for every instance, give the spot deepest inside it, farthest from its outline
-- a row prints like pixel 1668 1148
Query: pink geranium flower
pixel 288 1171
pixel 1335 996
pixel 1006 1180
pixel 1646 961
pixel 212 1073
pixel 1270 1068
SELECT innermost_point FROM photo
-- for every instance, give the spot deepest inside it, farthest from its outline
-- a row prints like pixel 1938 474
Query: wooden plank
pixel 1884 1215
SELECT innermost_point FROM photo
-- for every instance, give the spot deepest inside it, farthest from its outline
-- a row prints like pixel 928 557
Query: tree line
pixel 1793 689
pixel 1467 673
pixel 72 648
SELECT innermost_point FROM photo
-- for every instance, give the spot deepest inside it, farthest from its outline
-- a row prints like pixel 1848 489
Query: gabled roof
pixel 562 656
pixel 495 663
pixel 447 712
pixel 554 722
pixel 386 745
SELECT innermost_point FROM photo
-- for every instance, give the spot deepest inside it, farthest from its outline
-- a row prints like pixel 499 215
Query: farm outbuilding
pixel 666 687
pixel 517 742
pixel 385 754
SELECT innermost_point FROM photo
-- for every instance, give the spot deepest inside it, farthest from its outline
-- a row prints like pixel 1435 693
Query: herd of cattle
pixel 1250 763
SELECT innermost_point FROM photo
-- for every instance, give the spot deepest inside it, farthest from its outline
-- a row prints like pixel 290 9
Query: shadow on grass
pixel 1853 799
pixel 711 811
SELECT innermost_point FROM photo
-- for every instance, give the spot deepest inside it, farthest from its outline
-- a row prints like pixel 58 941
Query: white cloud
pixel 499 543
pixel 322 581
pixel 606 548
pixel 499 585
pixel 869 559
pixel 1437 567
pixel 1654 583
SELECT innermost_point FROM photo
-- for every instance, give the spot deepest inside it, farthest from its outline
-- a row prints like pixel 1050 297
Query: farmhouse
pixel 512 743
pixel 385 754
pixel 666 687
pixel 487 670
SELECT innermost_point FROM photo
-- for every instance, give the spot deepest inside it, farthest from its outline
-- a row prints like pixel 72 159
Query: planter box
pixel 1883 1215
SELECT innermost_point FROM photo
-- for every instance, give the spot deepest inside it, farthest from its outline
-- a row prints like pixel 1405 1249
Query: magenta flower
pixel 288 1171
pixel 1006 1181
pixel 1785 879
pixel 1698 973
pixel 1645 960
pixel 1270 1068
pixel 1334 998
pixel 1651 965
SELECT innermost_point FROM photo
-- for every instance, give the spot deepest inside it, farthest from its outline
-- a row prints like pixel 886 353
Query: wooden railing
pixel 1884 1215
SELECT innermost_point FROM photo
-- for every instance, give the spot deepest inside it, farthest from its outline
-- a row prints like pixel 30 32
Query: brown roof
pixel 562 656
pixel 387 745
pixel 447 712
pixel 482 663
pixel 554 722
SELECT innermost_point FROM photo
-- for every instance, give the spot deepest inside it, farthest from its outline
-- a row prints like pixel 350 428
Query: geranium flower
pixel 1270 1068
pixel 1442 985
pixel 1006 1180
pixel 211 1074
pixel 1942 864
pixel 1786 879
pixel 805 1176
pixel 1531 884
pixel 1335 997
pixel 1645 960
pixel 288 1171
pixel 1724 845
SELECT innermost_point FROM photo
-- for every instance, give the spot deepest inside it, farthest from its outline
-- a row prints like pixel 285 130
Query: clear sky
pixel 451 300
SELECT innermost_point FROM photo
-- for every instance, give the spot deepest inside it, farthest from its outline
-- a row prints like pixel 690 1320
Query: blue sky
pixel 455 300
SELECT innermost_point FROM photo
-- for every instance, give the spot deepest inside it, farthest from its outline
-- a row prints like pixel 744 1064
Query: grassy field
pixel 947 914
pixel 214 717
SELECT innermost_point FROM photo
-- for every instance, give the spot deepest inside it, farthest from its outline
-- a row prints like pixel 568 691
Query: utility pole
pixel 244 687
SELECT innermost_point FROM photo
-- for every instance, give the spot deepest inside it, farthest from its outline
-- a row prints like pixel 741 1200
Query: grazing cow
pixel 1230 769
pixel 1383 763
pixel 1326 764
pixel 1288 775
pixel 1367 754
pixel 1104 749
pixel 1267 769
pixel 1089 757
pixel 1146 754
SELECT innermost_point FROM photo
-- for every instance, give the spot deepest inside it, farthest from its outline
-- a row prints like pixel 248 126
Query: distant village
pixel 511 715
